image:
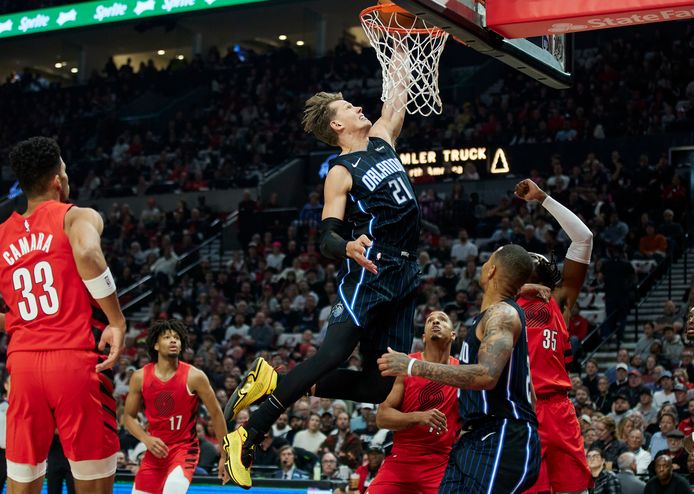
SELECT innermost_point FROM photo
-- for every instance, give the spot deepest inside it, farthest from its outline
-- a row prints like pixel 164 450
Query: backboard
pixel 547 59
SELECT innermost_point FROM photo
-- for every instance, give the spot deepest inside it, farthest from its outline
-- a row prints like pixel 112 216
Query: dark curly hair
pixel 160 327
pixel 545 271
pixel 34 162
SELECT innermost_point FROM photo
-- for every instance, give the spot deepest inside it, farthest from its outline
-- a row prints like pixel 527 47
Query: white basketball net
pixel 409 59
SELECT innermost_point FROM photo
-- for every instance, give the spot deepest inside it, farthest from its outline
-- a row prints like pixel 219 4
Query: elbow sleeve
pixel 581 250
pixel 332 245
pixel 580 235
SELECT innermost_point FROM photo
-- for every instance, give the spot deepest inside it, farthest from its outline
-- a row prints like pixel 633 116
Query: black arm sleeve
pixel 332 245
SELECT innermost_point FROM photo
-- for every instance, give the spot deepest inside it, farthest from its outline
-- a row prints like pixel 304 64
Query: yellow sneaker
pixel 236 454
pixel 259 381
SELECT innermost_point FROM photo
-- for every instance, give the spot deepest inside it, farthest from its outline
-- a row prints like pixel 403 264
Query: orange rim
pixel 391 8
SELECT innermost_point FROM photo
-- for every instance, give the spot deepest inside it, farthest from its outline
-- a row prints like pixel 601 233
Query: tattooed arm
pixel 500 328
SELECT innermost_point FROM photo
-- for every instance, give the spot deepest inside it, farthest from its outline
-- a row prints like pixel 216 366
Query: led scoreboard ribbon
pixel 96 13
pixel 438 162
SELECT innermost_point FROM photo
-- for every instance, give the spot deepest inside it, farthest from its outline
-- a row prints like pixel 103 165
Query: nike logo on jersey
pixel 490 434
pixel 354 165
pixel 26 225
pixel 380 148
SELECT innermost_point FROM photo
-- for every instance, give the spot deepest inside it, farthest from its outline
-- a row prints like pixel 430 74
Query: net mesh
pixel 409 50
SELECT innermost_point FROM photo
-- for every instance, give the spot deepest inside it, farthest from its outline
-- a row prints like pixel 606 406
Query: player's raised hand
pixel 393 363
pixel 532 290
pixel 156 446
pixel 434 419
pixel 112 336
pixel 356 249
pixel 529 191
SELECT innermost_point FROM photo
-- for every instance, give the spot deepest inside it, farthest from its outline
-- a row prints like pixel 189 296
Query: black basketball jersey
pixel 381 203
pixel 511 398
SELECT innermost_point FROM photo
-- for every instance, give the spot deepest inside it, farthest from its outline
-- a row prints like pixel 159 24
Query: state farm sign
pixel 521 19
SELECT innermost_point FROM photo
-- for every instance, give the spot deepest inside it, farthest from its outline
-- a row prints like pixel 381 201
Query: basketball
pixel 394 16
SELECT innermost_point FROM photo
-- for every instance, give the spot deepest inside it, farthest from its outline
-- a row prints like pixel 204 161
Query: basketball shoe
pixel 239 457
pixel 259 381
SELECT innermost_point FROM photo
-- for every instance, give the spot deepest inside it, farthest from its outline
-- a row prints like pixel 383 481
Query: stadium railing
pixel 641 289
pixel 144 288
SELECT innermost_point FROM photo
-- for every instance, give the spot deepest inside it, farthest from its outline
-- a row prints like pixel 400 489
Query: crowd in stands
pixel 249 120
pixel 642 408
pixel 274 296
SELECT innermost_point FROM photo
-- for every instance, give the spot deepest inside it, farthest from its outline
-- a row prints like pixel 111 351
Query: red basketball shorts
pixel 59 389
pixel 564 467
pixel 154 471
pixel 403 474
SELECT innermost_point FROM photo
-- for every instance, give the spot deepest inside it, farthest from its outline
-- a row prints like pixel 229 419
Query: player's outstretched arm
pixel 200 385
pixel 579 252
pixel 532 290
pixel 83 227
pixel 501 327
pixel 133 405
pixel 389 126
pixel 332 245
pixel 390 417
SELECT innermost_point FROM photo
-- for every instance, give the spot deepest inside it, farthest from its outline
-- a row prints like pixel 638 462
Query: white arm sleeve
pixel 580 235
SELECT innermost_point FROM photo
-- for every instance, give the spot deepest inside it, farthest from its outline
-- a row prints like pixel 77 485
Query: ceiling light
pixel 74 70
pixel 58 65
pixel 161 52
pixel 180 57
pixel 282 37
pixel 299 43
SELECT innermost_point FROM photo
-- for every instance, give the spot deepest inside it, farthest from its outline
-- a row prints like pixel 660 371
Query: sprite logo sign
pixel 115 10
pixel 37 22
pixel 101 12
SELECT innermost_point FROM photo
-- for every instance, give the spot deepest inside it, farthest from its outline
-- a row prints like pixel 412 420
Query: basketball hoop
pixel 409 50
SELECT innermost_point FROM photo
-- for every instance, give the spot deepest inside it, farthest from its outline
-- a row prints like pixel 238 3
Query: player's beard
pixel 173 355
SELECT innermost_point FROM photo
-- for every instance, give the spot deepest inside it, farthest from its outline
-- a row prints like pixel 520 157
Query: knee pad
pixel 24 472
pixel 93 469
pixel 176 482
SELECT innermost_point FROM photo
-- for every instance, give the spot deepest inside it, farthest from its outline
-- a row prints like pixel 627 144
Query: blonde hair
pixel 609 424
pixel 318 114
pixel 622 433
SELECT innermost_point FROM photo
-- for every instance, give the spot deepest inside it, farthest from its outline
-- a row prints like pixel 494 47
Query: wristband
pixel 409 367
pixel 332 245
pixel 102 286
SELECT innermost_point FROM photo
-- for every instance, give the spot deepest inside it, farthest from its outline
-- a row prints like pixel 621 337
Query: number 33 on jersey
pixel 49 306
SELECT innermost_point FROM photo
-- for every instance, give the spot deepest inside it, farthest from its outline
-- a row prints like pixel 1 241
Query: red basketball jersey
pixel 422 395
pixel 548 345
pixel 170 408
pixel 49 305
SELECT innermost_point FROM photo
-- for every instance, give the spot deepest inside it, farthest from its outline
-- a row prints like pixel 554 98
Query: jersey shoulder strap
pixel 56 211
pixel 349 161
pixel 379 141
